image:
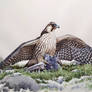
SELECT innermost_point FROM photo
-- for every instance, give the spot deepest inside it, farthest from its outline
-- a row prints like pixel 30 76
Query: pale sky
pixel 23 20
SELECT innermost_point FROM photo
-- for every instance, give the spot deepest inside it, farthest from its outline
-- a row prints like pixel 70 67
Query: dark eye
pixel 54 25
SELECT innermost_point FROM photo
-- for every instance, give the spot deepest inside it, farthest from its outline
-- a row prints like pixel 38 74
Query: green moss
pixel 65 71
pixel 2 75
pixel 89 86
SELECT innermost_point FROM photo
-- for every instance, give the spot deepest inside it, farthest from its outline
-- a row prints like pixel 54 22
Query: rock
pixel 75 70
pixel 51 85
pixel 80 86
pixel 5 89
pixel 10 71
pixel 1 71
pixel 74 81
pixel 16 74
pixel 60 79
pixel 86 77
pixel 74 85
pixel 18 81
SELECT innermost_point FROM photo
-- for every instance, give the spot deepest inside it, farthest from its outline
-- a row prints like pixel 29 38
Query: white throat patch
pixel 49 28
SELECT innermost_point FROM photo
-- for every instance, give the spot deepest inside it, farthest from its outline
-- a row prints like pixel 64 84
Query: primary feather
pixel 72 48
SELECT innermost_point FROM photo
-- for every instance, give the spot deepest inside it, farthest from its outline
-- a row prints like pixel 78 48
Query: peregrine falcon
pixel 34 50
pixel 66 47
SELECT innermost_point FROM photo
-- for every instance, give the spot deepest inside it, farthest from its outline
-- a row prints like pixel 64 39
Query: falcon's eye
pixel 56 26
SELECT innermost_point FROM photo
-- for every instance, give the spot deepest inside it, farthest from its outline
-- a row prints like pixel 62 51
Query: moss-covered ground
pixel 65 71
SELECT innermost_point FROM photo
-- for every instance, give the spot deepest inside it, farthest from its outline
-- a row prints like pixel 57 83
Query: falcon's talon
pixel 39 66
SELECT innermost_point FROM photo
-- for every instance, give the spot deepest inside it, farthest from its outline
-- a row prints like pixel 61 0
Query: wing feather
pixel 72 48
pixel 23 52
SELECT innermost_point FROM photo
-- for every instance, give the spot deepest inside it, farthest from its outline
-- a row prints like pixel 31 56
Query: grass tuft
pixel 65 71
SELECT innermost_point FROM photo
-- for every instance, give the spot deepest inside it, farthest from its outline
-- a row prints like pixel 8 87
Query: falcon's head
pixel 50 28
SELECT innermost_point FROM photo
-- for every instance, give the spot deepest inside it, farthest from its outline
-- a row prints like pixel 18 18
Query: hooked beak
pixel 57 26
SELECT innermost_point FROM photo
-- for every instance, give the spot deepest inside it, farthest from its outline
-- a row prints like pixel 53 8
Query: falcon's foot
pixel 37 67
pixel 49 63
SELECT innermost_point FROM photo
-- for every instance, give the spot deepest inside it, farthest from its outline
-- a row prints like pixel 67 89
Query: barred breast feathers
pixel 47 44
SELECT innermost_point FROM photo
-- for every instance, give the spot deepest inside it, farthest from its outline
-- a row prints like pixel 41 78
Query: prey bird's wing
pixel 72 48
pixel 23 52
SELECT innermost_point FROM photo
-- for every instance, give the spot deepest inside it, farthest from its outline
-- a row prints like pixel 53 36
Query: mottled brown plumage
pixel 72 48
pixel 34 50
pixel 66 47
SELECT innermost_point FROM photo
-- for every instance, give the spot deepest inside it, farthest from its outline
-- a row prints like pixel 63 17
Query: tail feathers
pixel 8 62
pixel 11 60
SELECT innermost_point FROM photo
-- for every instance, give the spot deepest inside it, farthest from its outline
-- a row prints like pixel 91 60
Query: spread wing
pixel 72 48
pixel 23 52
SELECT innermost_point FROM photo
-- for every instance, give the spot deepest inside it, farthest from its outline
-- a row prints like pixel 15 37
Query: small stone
pixel 1 71
pixel 5 89
pixel 60 79
pixel 75 70
pixel 73 81
pixel 54 85
pixel 16 74
pixel 9 71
